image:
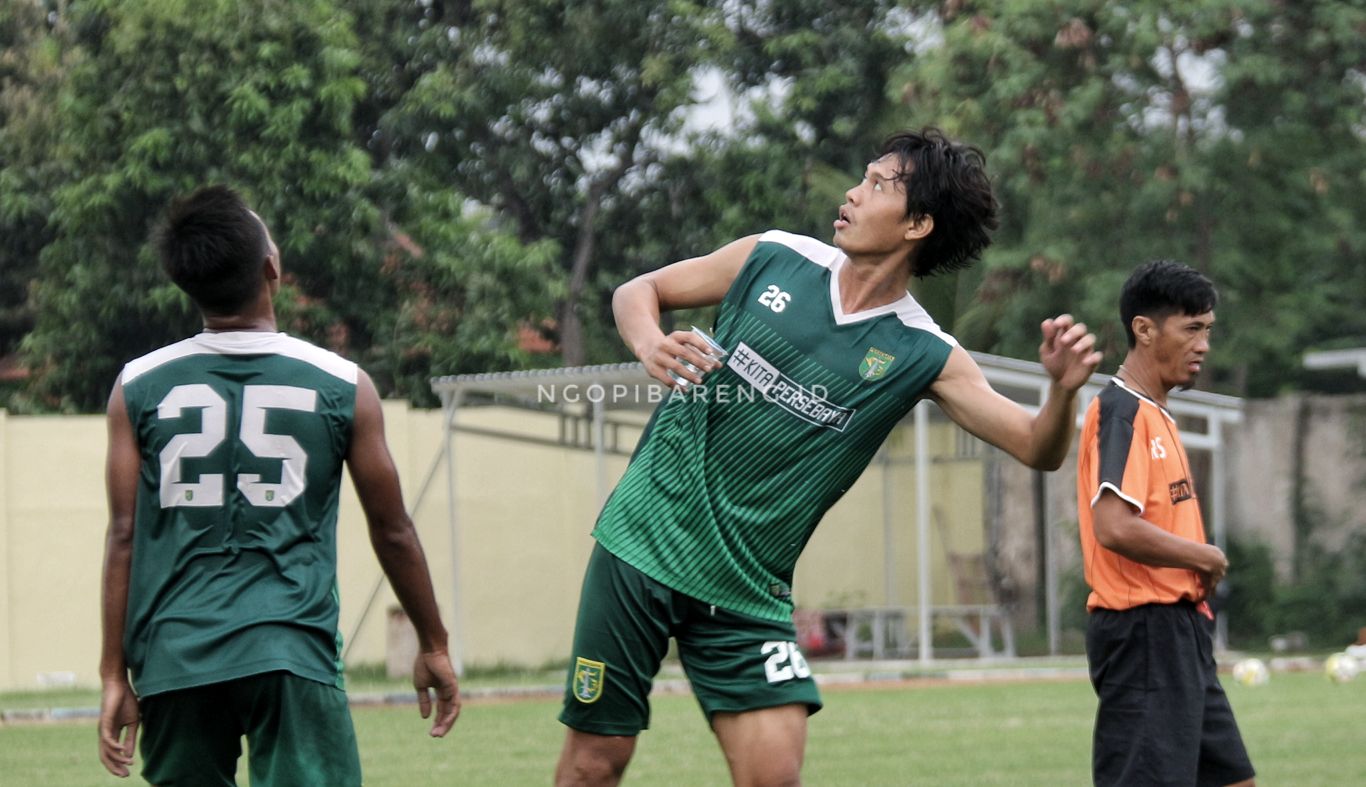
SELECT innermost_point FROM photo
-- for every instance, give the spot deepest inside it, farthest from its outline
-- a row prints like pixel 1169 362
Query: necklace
pixel 1129 382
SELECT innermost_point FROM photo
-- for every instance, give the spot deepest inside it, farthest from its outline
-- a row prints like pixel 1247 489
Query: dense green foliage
pixel 457 186
pixel 1224 133
pixel 1326 603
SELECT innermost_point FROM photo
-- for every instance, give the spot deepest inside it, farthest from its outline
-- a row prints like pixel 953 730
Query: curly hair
pixel 946 181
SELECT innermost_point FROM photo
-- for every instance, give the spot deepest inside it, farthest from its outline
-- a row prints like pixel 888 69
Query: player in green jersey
pixel 220 587
pixel 826 353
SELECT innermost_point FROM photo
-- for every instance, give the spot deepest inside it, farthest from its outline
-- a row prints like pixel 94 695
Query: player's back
pixel 242 436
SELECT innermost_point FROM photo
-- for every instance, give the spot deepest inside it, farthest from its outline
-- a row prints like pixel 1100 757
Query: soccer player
pixel 220 587
pixel 827 351
pixel 1163 717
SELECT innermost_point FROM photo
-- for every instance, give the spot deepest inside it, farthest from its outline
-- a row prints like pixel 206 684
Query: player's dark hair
pixel 1161 288
pixel 212 247
pixel 948 182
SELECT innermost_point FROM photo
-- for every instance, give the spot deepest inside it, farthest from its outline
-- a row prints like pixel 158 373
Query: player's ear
pixel 920 227
pixel 1145 330
pixel 270 271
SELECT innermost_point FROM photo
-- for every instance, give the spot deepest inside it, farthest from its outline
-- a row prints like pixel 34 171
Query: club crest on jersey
pixel 588 675
pixel 875 364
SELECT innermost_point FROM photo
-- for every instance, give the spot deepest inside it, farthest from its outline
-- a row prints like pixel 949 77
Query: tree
pixel 1292 214
pixel 1120 133
pixel 168 96
pixel 809 82
pixel 33 60
pixel 171 95
pixel 549 112
pixel 464 290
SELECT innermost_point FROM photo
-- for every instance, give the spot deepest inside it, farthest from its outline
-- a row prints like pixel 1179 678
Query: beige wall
pixel 524 513
pixel 1310 446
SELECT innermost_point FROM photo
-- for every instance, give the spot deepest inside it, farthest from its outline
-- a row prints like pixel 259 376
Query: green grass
pixel 1300 729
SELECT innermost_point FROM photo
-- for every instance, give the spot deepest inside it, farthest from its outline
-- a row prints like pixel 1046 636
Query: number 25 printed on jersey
pixel 256 400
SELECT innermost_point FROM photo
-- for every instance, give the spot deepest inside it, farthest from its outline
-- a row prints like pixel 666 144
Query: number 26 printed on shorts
pixel 785 663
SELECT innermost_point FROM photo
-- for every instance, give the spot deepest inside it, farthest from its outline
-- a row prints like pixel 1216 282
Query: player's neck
pixel 867 283
pixel 1141 377
pixel 251 321
pixel 256 315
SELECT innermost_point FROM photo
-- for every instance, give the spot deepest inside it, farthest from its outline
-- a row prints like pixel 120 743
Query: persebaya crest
pixel 875 364
pixel 588 676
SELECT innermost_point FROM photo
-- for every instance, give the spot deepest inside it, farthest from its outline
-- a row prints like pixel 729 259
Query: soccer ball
pixel 1251 672
pixel 1340 667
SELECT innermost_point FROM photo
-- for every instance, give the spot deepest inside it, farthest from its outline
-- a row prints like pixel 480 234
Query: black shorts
pixel 1163 717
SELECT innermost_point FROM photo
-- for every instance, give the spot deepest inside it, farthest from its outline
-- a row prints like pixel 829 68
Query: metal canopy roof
pixel 1337 359
pixel 625 386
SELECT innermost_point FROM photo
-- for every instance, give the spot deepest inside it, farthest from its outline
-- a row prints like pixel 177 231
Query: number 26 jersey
pixel 730 479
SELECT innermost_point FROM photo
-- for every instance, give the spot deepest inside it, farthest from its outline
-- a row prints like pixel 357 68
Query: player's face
pixel 1180 347
pixel 872 219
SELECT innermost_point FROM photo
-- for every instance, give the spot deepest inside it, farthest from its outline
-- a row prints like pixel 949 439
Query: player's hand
pixel 1214 570
pixel 663 355
pixel 118 726
pixel 433 671
pixel 1068 351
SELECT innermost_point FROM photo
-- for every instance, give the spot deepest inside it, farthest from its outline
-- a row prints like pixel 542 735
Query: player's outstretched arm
pixel 1040 441
pixel 1120 529
pixel 699 281
pixel 395 542
pixel 118 728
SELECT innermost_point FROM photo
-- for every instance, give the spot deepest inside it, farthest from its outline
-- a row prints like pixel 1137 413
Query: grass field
pixel 1301 730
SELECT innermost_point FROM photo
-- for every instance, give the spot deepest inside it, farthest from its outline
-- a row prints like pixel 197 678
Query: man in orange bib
pixel 1163 717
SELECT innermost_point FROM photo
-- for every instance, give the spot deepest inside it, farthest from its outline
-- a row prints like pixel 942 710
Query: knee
pixel 771 774
pixel 589 770
pixel 778 779
pixel 597 764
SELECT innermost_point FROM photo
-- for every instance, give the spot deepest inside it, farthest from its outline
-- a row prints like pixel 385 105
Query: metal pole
pixel 1218 489
pixel 888 542
pixel 922 526
pixel 599 440
pixel 1050 567
pixel 457 638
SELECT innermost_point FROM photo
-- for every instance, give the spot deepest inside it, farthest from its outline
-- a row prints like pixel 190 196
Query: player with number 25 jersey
pixel 242 437
pixel 219 600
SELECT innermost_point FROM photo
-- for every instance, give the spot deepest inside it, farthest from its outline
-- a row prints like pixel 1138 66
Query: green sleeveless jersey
pixel 730 479
pixel 242 437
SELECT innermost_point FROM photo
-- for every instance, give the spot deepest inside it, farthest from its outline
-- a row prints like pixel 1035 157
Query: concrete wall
pixel 1302 455
pixel 524 513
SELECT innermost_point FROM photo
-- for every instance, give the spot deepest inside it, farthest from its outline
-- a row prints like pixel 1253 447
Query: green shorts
pixel 298 733
pixel 734 662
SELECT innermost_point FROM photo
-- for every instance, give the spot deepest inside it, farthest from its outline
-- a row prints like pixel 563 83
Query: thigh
pixel 620 637
pixel 765 746
pixel 299 732
pixel 1146 675
pixel 739 663
pixel 189 737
